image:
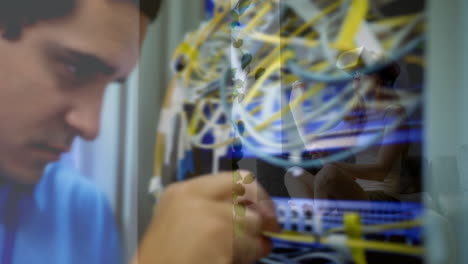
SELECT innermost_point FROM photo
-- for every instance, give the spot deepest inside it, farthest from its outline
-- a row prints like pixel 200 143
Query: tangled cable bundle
pixel 286 70
pixel 277 80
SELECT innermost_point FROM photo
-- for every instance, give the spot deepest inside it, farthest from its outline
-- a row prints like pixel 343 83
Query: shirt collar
pixel 40 192
pixel 35 191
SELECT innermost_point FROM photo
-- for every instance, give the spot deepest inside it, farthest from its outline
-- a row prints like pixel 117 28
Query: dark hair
pixel 16 14
pixel 149 8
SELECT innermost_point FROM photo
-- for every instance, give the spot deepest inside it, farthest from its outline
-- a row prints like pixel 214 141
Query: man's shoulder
pixel 77 215
pixel 65 187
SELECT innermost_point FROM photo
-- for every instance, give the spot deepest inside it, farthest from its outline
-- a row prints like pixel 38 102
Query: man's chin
pixel 24 175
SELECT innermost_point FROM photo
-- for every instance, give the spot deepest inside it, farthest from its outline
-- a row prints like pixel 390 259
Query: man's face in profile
pixel 52 81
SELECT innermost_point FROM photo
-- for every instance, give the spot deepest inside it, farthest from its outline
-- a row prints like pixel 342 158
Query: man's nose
pixel 85 114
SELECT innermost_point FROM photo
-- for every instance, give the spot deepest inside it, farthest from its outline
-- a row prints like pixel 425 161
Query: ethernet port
pixel 294 214
pixel 308 214
pixel 294 227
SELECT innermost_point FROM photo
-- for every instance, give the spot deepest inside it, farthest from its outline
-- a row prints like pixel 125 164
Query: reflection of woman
pixel 376 171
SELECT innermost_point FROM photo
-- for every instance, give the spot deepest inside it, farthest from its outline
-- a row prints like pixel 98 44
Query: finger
pixel 220 187
pixel 255 193
pixel 247 221
pixel 249 248
pixel 212 186
pixel 266 246
pixel 257 199
pixel 268 219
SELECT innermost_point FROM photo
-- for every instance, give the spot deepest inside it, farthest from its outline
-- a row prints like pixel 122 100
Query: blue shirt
pixel 63 219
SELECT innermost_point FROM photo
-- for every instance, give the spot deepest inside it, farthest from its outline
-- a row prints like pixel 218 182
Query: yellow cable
pixel 187 49
pixel 215 61
pixel 159 150
pixel 415 60
pixel 352 223
pixel 354 18
pixel 298 31
pixel 320 66
pixel 386 247
pixel 218 17
pixel 314 20
pixel 276 65
pixel 208 29
pixel 382 227
pixel 283 40
pixel 193 125
pixel 250 25
pixel 291 236
pixel 397 21
pixel 281 29
pixel 199 117
pixel 267 6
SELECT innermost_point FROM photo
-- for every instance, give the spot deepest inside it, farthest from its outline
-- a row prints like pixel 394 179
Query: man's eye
pixel 78 70
pixel 81 70
pixel 71 68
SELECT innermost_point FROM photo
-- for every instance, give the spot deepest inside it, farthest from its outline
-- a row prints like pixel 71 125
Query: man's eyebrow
pixel 86 59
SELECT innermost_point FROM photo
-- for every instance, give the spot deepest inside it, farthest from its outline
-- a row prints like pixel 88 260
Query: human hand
pixel 194 223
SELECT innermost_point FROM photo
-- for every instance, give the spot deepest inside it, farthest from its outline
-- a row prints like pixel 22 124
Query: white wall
pixel 446 131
